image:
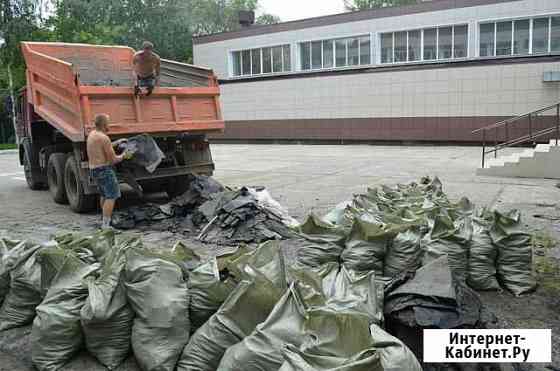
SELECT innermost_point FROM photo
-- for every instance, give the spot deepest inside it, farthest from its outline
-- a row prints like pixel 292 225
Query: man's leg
pixel 150 87
pixel 108 207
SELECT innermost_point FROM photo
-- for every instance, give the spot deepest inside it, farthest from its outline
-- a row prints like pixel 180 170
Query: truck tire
pixel 55 177
pixel 31 175
pixel 77 198
pixel 177 186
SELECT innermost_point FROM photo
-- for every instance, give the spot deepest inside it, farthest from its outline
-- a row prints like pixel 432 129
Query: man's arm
pixel 110 152
pixel 157 69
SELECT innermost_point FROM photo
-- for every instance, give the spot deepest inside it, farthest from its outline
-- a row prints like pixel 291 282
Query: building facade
pixel 433 71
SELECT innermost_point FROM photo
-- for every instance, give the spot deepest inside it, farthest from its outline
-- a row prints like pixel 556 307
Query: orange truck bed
pixel 68 84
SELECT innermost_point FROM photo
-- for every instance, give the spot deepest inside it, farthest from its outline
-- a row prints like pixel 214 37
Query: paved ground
pixel 315 178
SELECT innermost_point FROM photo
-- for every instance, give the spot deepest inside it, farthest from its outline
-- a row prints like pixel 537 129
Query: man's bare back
pixel 100 150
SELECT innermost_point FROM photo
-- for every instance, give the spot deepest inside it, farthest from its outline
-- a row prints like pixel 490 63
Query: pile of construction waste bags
pixel 342 293
pixel 246 311
pixel 391 230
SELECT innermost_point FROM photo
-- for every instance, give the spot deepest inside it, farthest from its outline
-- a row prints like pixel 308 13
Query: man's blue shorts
pixel 147 82
pixel 107 182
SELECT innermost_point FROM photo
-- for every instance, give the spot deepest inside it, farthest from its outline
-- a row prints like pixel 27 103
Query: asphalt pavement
pixel 303 178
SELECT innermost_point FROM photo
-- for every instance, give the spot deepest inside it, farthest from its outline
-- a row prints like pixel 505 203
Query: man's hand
pixel 127 155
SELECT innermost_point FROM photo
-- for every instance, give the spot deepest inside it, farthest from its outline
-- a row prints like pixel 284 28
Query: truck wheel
pixel 177 186
pixel 79 201
pixel 31 175
pixel 55 177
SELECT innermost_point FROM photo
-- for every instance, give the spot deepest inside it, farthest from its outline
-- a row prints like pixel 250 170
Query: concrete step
pixel 539 162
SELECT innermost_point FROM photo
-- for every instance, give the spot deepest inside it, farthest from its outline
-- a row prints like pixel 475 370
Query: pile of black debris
pixel 214 214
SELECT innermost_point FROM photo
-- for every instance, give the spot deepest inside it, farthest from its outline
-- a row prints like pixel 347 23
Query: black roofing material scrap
pixel 238 216
pixel 146 153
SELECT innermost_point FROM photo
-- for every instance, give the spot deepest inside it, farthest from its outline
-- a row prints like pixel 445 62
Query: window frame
pixel 531 20
pixel 232 55
pixel 333 40
pixel 422 44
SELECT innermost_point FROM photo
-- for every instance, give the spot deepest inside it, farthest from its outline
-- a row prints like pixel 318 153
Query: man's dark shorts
pixel 107 182
pixel 147 82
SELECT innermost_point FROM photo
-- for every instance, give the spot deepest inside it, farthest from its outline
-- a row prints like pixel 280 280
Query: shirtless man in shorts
pixel 101 158
pixel 146 69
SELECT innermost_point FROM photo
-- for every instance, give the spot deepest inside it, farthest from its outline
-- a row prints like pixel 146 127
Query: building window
pixel 400 47
pixel 555 34
pixel 430 44
pixel 261 61
pixel 460 41
pixel 351 51
pixel 328 54
pixel 540 35
pixel 414 45
pixel 503 38
pixel 387 48
pixel 520 37
pixel 425 45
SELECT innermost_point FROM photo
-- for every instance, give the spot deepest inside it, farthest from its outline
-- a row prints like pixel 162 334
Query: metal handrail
pixel 514 119
pixel 531 136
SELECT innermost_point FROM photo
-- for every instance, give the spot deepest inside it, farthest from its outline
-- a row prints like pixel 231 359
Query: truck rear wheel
pixel 79 201
pixel 31 175
pixel 55 177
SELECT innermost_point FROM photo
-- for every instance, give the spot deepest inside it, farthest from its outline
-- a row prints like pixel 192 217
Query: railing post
pixel 557 122
pixel 483 146
pixel 496 143
pixel 530 127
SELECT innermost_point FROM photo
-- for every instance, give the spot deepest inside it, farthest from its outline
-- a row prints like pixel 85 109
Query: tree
pixel 355 5
pixel 267 19
pixel 213 16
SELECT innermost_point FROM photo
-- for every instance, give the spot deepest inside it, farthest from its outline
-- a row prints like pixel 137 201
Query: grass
pixel 4 146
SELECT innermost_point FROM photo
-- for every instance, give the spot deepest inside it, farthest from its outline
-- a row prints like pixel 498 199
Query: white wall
pixel 216 55
pixel 488 90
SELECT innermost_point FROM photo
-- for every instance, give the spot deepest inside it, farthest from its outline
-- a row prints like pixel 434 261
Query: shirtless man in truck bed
pixel 146 69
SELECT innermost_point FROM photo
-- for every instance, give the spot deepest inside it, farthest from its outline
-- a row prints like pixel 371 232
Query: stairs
pixel 543 161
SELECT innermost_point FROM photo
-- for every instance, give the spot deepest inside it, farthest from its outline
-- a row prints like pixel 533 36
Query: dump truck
pixel 69 84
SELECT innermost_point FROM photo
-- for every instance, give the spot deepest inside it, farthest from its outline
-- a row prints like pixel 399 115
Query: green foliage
pixel 169 24
pixel 212 16
pixel 7 146
pixel 355 5
pixel 267 19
